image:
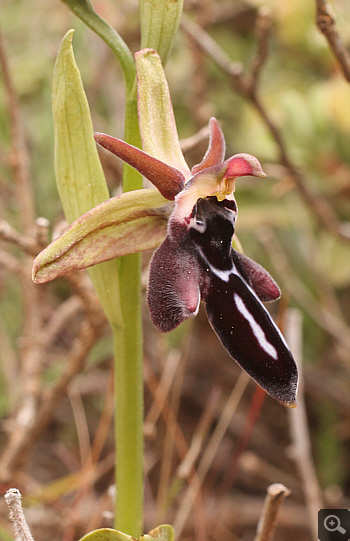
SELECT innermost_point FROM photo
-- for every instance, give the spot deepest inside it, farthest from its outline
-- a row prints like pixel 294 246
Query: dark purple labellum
pixel 197 262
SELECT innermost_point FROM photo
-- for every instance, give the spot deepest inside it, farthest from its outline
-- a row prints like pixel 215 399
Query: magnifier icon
pixel 332 524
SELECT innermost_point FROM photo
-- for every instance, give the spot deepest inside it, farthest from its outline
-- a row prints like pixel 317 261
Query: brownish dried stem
pixel 263 29
pixel 169 441
pixel 20 157
pixel 335 326
pixel 33 416
pixel 38 406
pixel 276 494
pixel 195 140
pixel 245 84
pixel 30 352
pixel 10 263
pixel 301 445
pixel 14 504
pixel 326 22
pixel 27 244
pixel 317 204
pixel 209 453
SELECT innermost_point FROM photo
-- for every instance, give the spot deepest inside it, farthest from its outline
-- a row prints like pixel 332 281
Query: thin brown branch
pixel 326 22
pixel 301 445
pixel 317 204
pixel 263 29
pixel 276 494
pixel 204 423
pixel 162 404
pixel 172 428
pixel 10 263
pixel 291 282
pixel 63 313
pixel 192 142
pixel 209 453
pixel 20 156
pixel 242 84
pixel 37 406
pixel 33 416
pixel 161 393
pixel 207 44
pixel 29 245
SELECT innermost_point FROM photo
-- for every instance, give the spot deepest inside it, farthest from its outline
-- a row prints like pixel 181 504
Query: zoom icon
pixel 334 525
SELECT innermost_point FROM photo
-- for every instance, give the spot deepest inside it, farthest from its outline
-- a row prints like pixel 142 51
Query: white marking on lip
pixel 235 271
pixel 257 330
pixel 223 275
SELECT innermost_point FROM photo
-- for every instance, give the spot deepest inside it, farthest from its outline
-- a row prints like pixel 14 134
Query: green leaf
pixel 79 175
pixel 159 138
pixel 165 532
pixel 107 534
pixel 160 21
pixel 125 224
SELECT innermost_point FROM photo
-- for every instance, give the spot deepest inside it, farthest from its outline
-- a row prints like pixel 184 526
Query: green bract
pixel 159 23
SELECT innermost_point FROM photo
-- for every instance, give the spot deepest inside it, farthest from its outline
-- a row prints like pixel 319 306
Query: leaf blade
pixel 79 175
pixel 125 224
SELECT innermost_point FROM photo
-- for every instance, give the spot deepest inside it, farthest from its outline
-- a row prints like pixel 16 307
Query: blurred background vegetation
pixel 65 470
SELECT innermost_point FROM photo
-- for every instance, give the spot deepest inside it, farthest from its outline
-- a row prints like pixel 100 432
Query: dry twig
pixel 19 156
pixel 276 494
pixel 210 452
pixel 326 22
pixel 192 142
pixel 9 234
pixel 13 501
pixel 34 417
pixel 245 84
pixel 301 445
pixel 335 326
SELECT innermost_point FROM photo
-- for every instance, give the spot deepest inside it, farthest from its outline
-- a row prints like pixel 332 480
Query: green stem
pixel 129 402
pixel 84 10
pixel 128 370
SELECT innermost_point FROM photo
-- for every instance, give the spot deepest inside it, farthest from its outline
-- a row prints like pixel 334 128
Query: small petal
pixel 243 164
pixel 216 150
pixel 168 180
pixel 257 277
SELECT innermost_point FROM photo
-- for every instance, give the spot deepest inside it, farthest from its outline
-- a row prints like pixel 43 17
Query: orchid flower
pixel 193 217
